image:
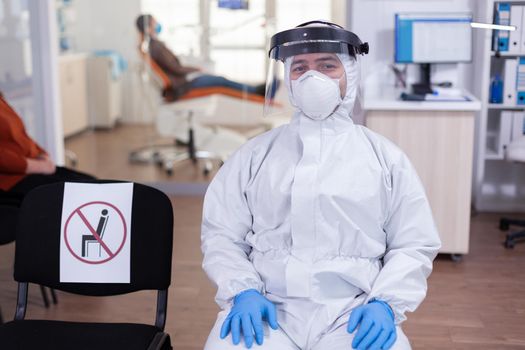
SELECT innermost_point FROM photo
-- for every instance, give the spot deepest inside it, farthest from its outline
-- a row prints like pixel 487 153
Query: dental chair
pixel 515 152
pixel 201 122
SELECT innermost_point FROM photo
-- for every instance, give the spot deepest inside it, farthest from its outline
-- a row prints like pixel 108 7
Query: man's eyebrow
pixel 299 61
pixel 320 59
pixel 325 58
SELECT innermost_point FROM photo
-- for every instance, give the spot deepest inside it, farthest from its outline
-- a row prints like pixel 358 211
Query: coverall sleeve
pixel 412 243
pixel 226 222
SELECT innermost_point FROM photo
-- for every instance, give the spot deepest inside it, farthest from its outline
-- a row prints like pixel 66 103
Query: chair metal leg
pixel 45 298
pixel 53 296
pixel 170 161
pixel 168 156
pixel 510 240
pixel 191 146
pixel 152 154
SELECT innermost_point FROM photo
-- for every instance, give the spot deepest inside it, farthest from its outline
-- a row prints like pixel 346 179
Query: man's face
pixel 326 63
pixel 151 27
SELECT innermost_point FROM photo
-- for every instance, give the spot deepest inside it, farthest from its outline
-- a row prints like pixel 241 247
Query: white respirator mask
pixel 316 94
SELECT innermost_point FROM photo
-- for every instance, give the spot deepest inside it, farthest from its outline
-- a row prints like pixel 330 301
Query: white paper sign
pixel 95 239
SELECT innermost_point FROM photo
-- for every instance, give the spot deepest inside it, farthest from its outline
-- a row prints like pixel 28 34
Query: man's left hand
pixel 377 329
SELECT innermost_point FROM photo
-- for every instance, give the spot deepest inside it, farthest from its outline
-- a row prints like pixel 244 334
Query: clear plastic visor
pixel 306 56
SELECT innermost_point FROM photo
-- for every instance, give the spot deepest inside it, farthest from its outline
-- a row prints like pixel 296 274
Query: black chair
pixel 9 208
pixel 37 261
pixel 512 237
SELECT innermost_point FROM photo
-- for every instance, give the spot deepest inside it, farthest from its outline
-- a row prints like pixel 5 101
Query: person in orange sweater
pixel 25 165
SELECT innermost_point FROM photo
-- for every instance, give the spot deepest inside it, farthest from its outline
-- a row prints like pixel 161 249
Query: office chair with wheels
pixel 37 260
pixel 515 152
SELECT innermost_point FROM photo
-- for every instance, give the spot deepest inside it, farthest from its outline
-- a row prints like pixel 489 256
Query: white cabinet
pixel 498 185
pixel 104 92
pixel 438 138
pixel 73 93
pixel 90 95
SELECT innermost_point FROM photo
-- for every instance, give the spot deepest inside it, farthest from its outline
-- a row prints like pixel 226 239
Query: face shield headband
pixel 315 39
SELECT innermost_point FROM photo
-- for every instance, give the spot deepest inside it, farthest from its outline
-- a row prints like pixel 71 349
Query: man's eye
pixel 298 69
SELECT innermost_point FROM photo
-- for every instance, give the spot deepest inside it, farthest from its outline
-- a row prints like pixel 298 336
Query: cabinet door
pixel 440 146
pixel 73 94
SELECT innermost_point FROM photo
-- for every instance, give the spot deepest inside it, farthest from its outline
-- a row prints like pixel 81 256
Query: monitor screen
pixel 234 4
pixel 433 38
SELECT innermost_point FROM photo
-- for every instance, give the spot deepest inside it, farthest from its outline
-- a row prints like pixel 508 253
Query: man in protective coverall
pixel 318 234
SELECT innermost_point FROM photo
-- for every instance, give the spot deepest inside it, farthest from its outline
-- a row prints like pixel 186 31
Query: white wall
pixel 28 75
pixel 44 47
pixel 107 25
pixel 110 25
pixel 373 21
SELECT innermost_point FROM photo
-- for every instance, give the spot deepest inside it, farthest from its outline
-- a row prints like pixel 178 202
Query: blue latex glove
pixel 377 329
pixel 249 310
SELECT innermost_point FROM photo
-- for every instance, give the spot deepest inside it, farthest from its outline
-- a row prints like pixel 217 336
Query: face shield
pixel 318 63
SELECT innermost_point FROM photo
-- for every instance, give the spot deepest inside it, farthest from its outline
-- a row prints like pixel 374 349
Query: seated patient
pixel 179 74
pixel 24 165
pixel 318 234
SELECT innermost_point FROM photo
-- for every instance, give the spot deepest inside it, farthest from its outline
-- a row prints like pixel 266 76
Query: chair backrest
pixel 152 69
pixel 37 251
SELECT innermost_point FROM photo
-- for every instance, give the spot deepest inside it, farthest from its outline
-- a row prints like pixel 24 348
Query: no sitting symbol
pixel 95 232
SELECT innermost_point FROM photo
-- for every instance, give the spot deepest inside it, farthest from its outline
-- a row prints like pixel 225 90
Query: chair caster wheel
pixel 456 257
pixel 208 166
pixel 157 159
pixel 503 225
pixel 509 244
pixel 169 172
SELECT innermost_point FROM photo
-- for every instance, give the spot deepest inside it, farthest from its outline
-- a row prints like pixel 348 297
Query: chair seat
pixel 60 335
pixel 221 90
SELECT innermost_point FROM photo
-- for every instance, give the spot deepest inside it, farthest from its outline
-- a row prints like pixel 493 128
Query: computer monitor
pixel 426 38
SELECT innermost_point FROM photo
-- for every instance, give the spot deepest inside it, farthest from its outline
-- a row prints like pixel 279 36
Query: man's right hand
pixel 42 165
pixel 248 312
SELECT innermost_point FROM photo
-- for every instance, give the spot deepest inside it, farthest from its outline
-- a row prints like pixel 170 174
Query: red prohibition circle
pixel 119 248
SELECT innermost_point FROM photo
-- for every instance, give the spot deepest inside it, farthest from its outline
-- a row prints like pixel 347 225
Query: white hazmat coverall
pixel 320 216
